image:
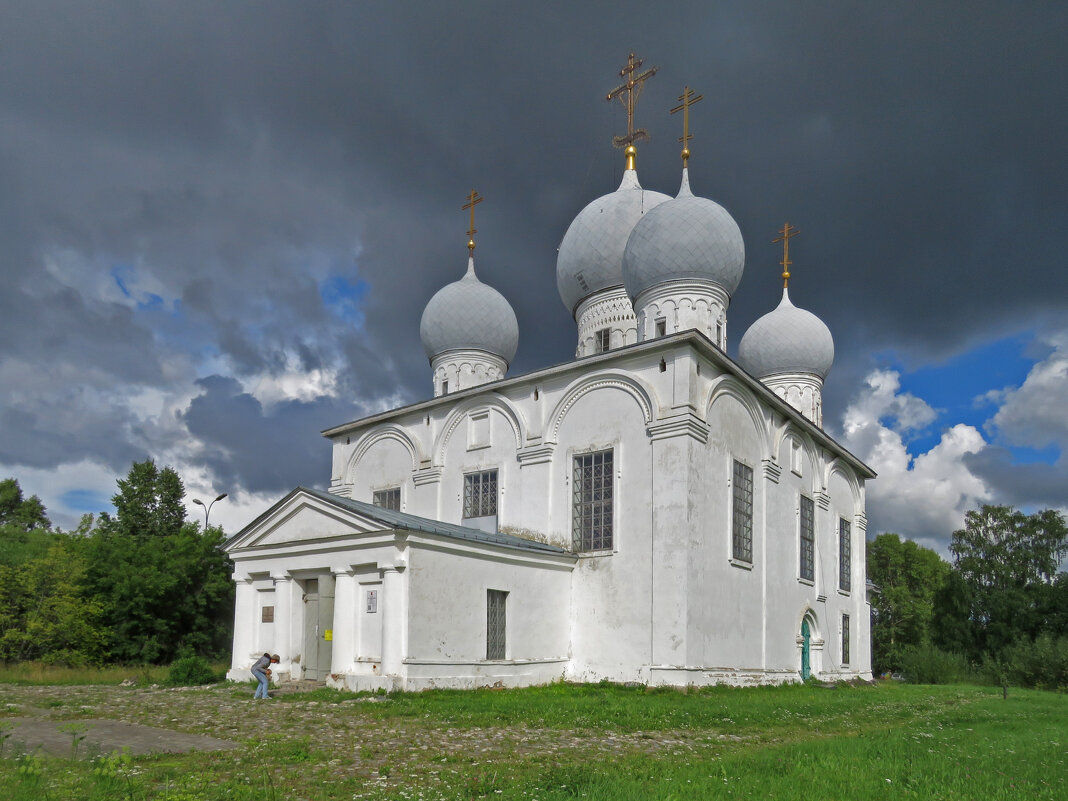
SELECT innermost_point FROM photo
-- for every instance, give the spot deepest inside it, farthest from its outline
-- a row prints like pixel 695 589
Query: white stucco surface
pixel 666 604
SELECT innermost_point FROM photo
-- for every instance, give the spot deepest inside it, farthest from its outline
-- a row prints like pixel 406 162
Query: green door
pixel 806 645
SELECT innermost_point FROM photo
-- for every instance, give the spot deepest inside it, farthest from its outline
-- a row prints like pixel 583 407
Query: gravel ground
pixel 343 735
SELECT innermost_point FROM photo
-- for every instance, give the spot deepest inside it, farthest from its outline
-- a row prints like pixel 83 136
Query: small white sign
pixel 372 601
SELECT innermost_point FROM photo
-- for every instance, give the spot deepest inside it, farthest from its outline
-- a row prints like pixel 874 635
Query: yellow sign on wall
pixel 328 634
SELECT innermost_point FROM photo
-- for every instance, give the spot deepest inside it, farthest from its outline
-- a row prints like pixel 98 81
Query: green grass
pixel 30 673
pixel 601 743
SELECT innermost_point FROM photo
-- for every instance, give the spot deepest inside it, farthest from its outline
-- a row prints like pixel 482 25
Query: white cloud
pixel 292 384
pixel 1034 414
pixel 233 512
pixel 923 497
pixel 90 480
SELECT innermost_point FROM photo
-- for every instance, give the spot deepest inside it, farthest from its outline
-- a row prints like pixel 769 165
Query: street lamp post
pixel 207 509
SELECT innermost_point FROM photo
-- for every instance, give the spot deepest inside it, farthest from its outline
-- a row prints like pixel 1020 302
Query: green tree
pixel 24 513
pixel 164 584
pixel 1007 562
pixel 46 612
pixel 149 501
pixel 907 577
pixel 25 531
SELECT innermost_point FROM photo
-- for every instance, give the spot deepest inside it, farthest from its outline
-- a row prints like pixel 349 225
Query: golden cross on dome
pixel 786 233
pixel 472 200
pixel 688 100
pixel 628 95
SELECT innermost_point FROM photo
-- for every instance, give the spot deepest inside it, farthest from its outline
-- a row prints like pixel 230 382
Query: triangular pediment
pixel 303 517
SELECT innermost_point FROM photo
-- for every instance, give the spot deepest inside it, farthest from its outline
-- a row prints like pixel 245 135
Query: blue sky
pixel 957 389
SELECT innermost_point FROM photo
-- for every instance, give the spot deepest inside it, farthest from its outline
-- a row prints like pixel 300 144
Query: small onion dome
pixel 591 255
pixel 688 238
pixel 467 314
pixel 787 340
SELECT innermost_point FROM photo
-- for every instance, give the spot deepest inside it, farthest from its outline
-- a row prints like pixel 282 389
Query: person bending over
pixel 262 671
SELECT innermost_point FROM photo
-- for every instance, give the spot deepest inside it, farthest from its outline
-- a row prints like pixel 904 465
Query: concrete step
pixel 297 686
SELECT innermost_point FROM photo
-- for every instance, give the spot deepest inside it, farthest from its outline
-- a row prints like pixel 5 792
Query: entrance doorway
pixel 806 650
pixel 318 623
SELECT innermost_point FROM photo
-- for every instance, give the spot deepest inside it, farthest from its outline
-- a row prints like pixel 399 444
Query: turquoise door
pixel 806 644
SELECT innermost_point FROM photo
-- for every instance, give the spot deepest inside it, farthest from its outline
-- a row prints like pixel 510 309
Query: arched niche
pixel 641 394
pixel 736 420
pixel 492 405
pixel 384 457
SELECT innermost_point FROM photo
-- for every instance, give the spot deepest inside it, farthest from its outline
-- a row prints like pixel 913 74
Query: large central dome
pixel 686 238
pixel 591 253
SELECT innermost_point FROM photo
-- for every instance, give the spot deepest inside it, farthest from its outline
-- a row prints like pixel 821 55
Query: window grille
pixel 480 494
pixel 496 601
pixel 387 498
pixel 845 639
pixel 742 548
pixel 603 340
pixel 808 539
pixel 591 501
pixel 845 559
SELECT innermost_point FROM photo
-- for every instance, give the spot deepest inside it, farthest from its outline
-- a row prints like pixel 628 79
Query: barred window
pixel 845 639
pixel 496 601
pixel 387 498
pixel 742 542
pixel 591 501
pixel 845 560
pixel 603 340
pixel 480 494
pixel 808 538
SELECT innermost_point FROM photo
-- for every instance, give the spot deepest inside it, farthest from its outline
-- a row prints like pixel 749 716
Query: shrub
pixel 1042 664
pixel 926 664
pixel 190 670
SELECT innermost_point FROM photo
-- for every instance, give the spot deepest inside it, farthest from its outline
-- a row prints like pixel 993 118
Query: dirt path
pixel 88 738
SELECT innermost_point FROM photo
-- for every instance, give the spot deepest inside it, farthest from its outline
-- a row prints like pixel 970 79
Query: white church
pixel 652 511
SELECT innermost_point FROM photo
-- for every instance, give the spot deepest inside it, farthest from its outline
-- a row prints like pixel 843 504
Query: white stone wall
pixel 667 605
pixel 447 619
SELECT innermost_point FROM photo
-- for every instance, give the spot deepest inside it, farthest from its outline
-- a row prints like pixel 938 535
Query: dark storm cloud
pixel 62 428
pixel 234 156
pixel 258 450
pixel 1025 485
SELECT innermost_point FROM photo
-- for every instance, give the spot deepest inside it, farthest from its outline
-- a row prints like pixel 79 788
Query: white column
pixel 826 549
pixel 771 472
pixel 669 613
pixel 283 621
pixel 245 622
pixel 393 619
pixel 343 651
